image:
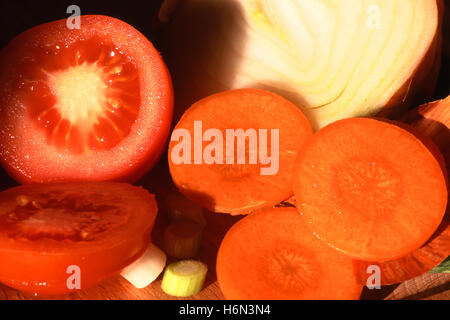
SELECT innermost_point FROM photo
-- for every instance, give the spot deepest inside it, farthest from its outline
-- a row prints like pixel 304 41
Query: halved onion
pixel 333 58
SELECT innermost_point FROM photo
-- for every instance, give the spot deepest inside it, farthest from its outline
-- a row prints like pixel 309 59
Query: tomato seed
pixel 22 200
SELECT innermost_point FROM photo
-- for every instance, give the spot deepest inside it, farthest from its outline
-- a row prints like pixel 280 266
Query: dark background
pixel 17 16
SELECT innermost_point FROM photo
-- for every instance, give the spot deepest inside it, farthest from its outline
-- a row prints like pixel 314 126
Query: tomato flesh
pixel 85 96
pixel 63 216
pixel 45 229
pixel 91 104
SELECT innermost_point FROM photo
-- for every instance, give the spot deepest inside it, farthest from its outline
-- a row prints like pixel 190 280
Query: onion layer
pixel 333 58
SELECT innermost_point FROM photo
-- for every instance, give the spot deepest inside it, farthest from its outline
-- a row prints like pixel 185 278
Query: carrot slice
pixel 432 120
pixel 227 185
pixel 271 254
pixel 414 264
pixel 370 189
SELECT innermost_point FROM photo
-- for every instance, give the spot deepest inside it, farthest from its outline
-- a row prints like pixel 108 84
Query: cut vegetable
pixel 182 239
pixel 180 208
pixel 83 104
pixel 432 120
pixel 413 264
pixel 444 267
pixel 147 268
pixel 184 278
pixel 370 189
pixel 335 59
pixel 271 254
pixel 62 237
pixel 244 159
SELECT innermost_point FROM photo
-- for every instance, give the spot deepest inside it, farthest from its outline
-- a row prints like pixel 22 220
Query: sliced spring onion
pixel 184 278
pixel 182 239
pixel 146 269
pixel 180 208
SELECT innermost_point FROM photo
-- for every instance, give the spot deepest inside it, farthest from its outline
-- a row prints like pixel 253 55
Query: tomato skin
pixel 40 265
pixel 95 268
pixel 24 151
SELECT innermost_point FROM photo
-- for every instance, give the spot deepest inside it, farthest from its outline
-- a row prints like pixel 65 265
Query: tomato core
pixel 85 96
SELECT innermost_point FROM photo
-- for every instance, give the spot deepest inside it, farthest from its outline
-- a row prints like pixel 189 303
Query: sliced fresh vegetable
pixel 413 264
pixel 251 139
pixel 370 189
pixel 334 59
pixel 58 238
pixel 180 208
pixel 271 254
pixel 444 267
pixel 93 103
pixel 184 278
pixel 147 268
pixel 432 120
pixel 182 239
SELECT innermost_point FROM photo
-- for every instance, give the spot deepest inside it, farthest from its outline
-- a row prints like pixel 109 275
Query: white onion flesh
pixel 333 58
pixel 147 268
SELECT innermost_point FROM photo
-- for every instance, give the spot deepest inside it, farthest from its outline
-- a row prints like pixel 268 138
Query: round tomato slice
pixel 93 103
pixel 54 237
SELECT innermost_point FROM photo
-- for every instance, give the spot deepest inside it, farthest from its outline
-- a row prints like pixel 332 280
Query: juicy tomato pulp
pixel 85 97
pixel 88 104
pixel 57 238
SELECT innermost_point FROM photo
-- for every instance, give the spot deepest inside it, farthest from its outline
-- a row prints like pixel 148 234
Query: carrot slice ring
pixel 433 121
pixel 414 264
pixel 370 189
pixel 230 186
pixel 271 254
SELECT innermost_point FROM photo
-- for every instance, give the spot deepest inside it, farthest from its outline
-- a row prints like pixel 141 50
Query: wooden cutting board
pixel 429 286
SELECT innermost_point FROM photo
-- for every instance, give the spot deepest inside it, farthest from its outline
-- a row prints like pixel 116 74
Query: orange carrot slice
pixel 271 254
pixel 414 264
pixel 223 184
pixel 370 189
pixel 432 120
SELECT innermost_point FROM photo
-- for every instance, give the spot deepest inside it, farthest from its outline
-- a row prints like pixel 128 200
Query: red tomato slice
pixel 45 230
pixel 93 103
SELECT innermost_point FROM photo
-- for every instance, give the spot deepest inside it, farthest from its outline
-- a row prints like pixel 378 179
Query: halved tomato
pixel 93 103
pixel 49 232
